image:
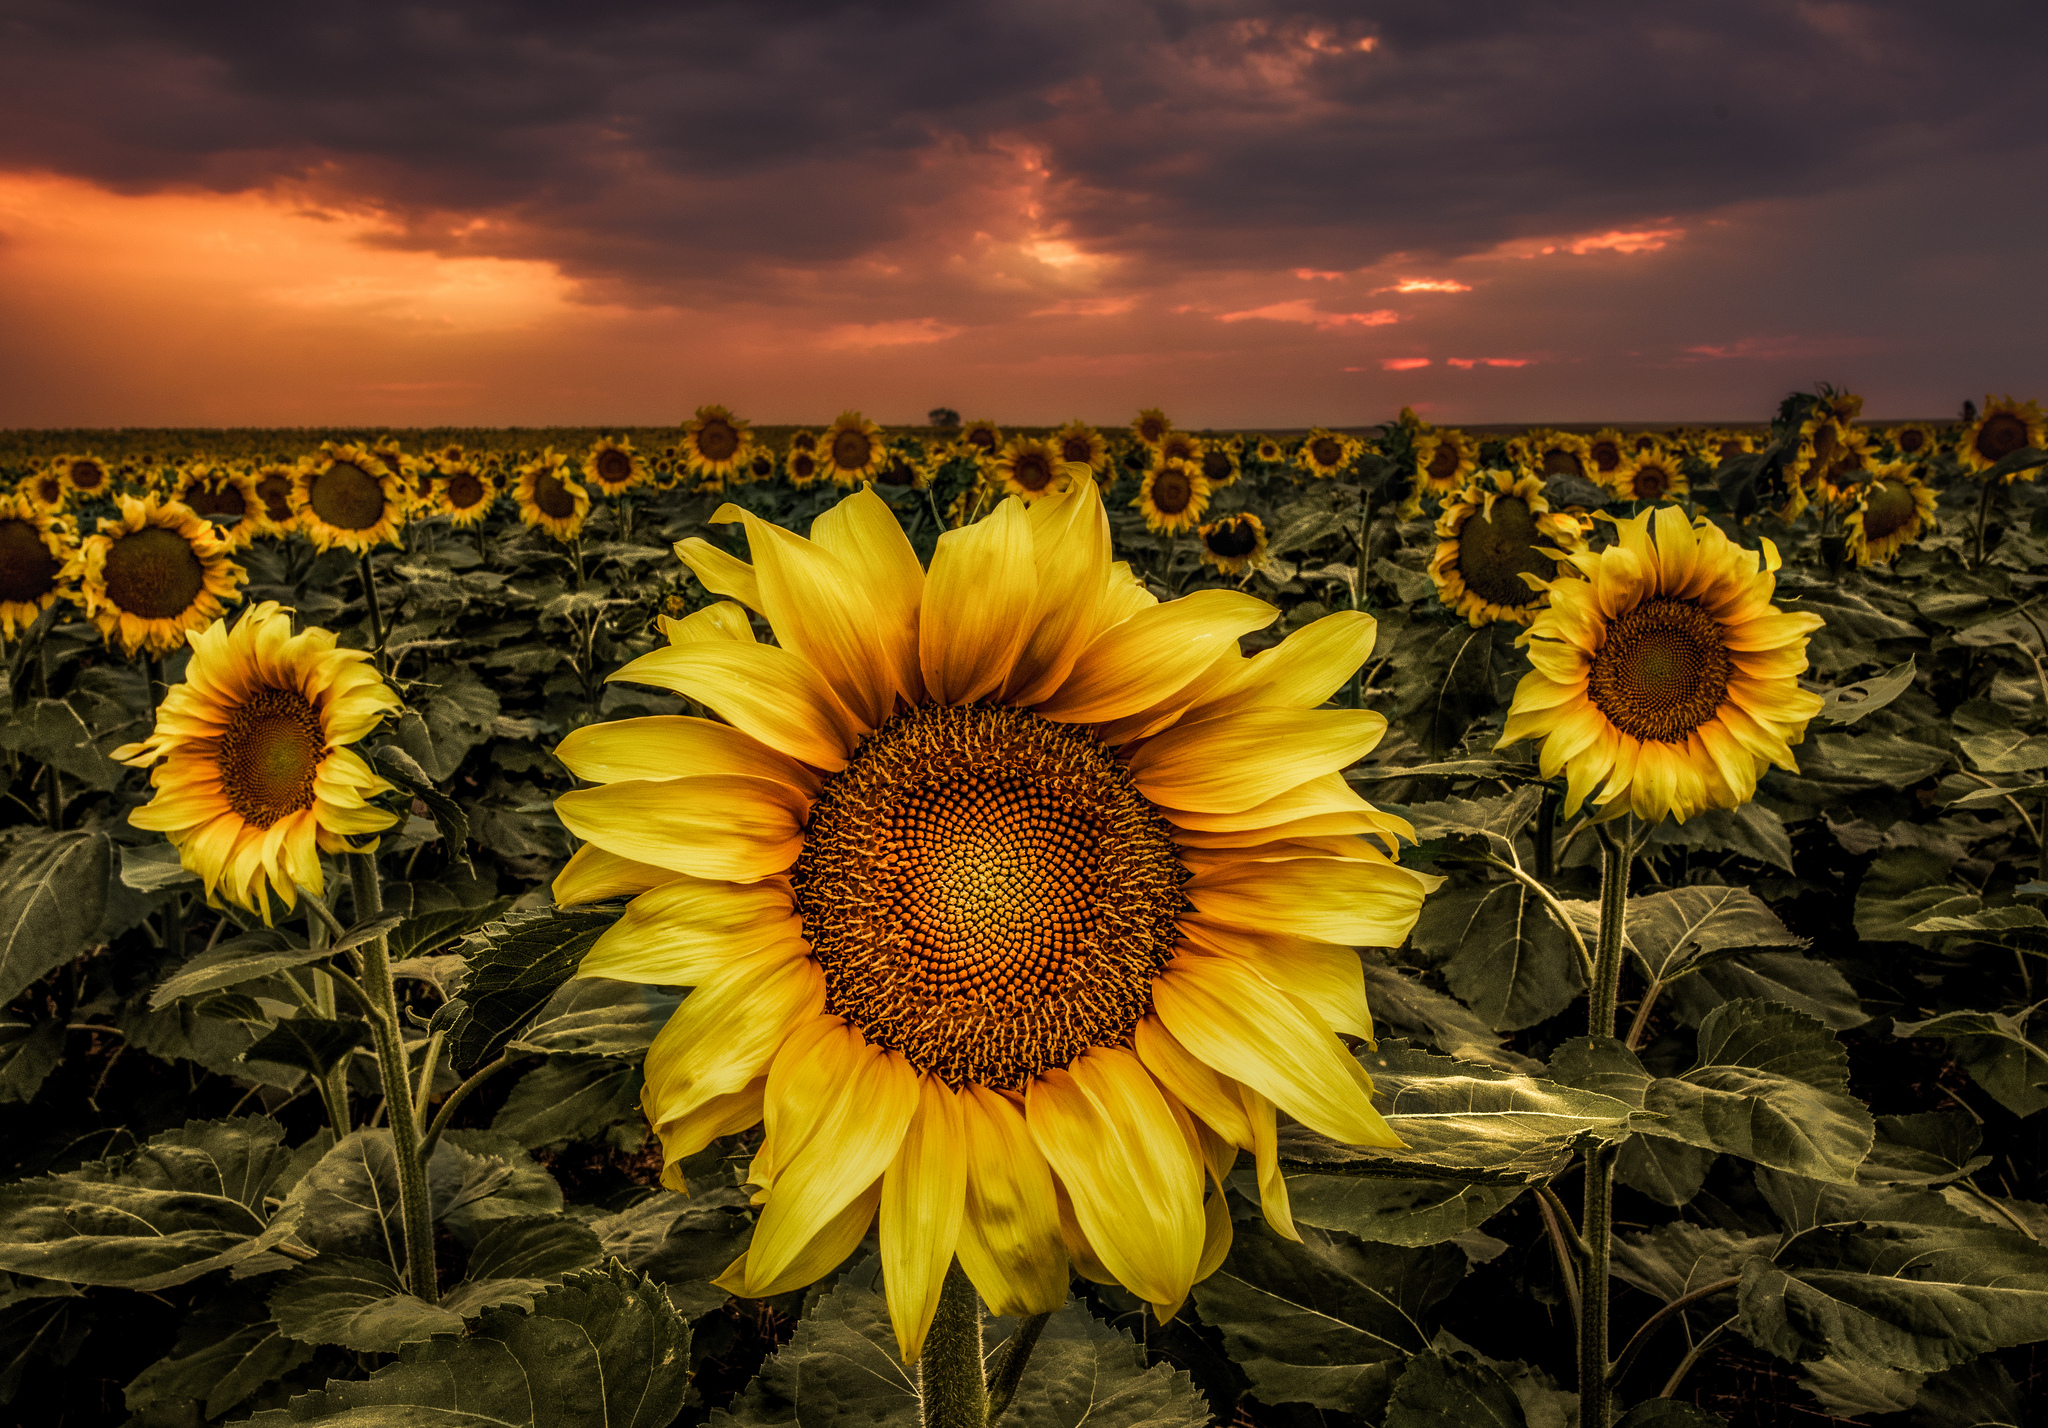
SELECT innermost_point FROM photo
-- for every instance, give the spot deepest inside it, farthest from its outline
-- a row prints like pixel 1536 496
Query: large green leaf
pixel 515 966
pixel 1997 1052
pixel 29 1052
pixel 1807 984
pixel 1403 1005
pixel 595 1016
pixel 225 1351
pixel 516 1259
pixel 1667 930
pixel 1833 767
pixel 1899 890
pixel 247 958
pixel 569 1098
pixel 311 1043
pixel 1502 951
pixel 1392 1211
pixel 1440 1391
pixel 1852 702
pixel 53 895
pixel 356 1303
pixel 601 1350
pixel 1931 1148
pixel 50 732
pixel 1675 1259
pixel 685 1241
pixel 474 1180
pixel 1751 831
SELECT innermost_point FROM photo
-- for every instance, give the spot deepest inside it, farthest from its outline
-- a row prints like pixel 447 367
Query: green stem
pixel 398 1102
pixel 949 1383
pixel 1606 989
pixel 456 1097
pixel 1983 515
pixel 1596 1219
pixel 1546 833
pixel 1010 1361
pixel 334 1085
pixel 376 615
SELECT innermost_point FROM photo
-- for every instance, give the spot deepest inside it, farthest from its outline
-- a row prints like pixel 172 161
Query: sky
pixel 1251 213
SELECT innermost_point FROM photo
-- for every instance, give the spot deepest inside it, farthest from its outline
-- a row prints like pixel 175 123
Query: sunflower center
pixel 804 441
pixel 717 440
pixel 221 500
pixel 1325 450
pixel 27 569
pixel 552 497
pixel 1232 539
pixel 347 497
pixel 87 476
pixel 464 490
pixel 1888 510
pixel 1606 455
pixel 2001 435
pixel 1912 439
pixel 49 490
pixel 1663 671
pixel 1216 466
pixel 154 574
pixel 1559 462
pixel 982 438
pixel 1443 463
pixel 1077 448
pixel 613 466
pixel 270 754
pixel 1032 471
pixel 1172 491
pixel 803 466
pixel 988 893
pixel 1652 481
pixel 851 450
pixel 273 489
pixel 1492 554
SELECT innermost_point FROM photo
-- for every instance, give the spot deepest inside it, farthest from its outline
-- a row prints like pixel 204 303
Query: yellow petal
pixel 720 573
pixel 1279 1210
pixel 763 690
pixel 1349 901
pixel 1300 672
pixel 1329 978
pixel 1328 793
pixel 685 1135
pixel 1123 595
pixel 665 746
pixel 592 875
pixel 977 601
pixel 1252 1032
pixel 725 620
pixel 727 1030
pixel 688 929
pixel 924 1196
pixel 869 541
pixel 1241 760
pixel 1154 654
pixel 1109 1134
pixel 1208 1094
pixel 1216 1236
pixel 1010 1243
pixel 1070 541
pixel 823 1252
pixel 719 826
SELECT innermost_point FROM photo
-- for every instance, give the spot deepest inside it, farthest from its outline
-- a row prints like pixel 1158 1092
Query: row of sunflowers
pixel 1137 927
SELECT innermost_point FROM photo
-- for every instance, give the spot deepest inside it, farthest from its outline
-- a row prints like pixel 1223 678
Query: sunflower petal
pixel 1239 761
pixel 1154 654
pixel 1071 548
pixel 720 573
pixel 726 620
pixel 924 1197
pixel 687 929
pixel 763 690
pixel 1010 1243
pixel 869 541
pixel 727 1030
pixel 977 604
pixel 665 746
pixel 719 826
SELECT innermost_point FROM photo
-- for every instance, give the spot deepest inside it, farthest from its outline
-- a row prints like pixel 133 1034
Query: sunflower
pixel 44 489
pixel 271 512
pixel 1896 508
pixel 759 465
pixel 1179 446
pixel 950 932
pixel 851 449
pixel 36 549
pixel 1150 426
pixel 152 573
pixel 1652 476
pixel 1717 448
pixel 2003 427
pixel 1913 439
pixel 1028 466
pixel 1844 406
pixel 464 492
pixel 550 497
pixel 345 498
pixel 614 467
pixel 1555 453
pixel 253 782
pixel 982 438
pixel 87 475
pixel 418 476
pixel 1665 681
pixel 1221 463
pixel 1078 441
pixel 1268 452
pixel 1324 454
pixel 1445 459
pixel 1490 534
pixel 803 441
pixel 1234 544
pixel 902 467
pixel 803 466
pixel 222 494
pixel 714 443
pixel 1606 450
pixel 1173 498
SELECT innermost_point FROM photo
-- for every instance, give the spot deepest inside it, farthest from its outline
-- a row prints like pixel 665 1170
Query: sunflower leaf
pixel 311 1043
pixel 29 1052
pixel 53 895
pixel 1669 930
pixel 569 1098
pixel 357 1304
pixel 1997 1052
pixel 1442 1391
pixel 51 732
pixel 1850 702
pixel 515 966
pixel 226 1350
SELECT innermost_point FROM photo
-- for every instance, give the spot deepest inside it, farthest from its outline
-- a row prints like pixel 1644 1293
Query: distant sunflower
pixel 1179 446
pixel 1234 544
pixel 550 498
pixel 1895 509
pixel 1818 443
pixel 1652 476
pixel 1556 453
pixel 1445 459
pixel 153 573
pixel 852 449
pixel 418 475
pixel 983 438
pixel 714 443
pixel 903 467
pixel 803 466
pixel 759 465
pixel 89 476
pixel 1490 534
pixel 1173 498
pixel 1268 451
pixel 2001 428
pixel 1220 464
pixel 1846 407
pixel 44 489
pixel 1150 426
pixel 272 483
pixel 35 549
pixel 465 492
pixel 249 761
pixel 344 498
pixel 1324 454
pixel 1665 680
pixel 1717 448
pixel 223 495
pixel 1081 442
pixel 1913 439
pixel 1030 467
pixel 614 467
pixel 1606 449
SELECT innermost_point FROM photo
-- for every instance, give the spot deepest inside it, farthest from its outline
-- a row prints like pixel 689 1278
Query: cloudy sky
pixel 1251 212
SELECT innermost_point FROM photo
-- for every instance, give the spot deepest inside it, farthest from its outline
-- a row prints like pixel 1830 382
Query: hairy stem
pixel 1010 1361
pixel 376 616
pixel 334 1085
pixel 456 1097
pixel 1596 1220
pixel 949 1383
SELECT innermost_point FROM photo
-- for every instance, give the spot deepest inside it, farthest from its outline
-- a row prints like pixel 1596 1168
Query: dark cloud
pixel 666 152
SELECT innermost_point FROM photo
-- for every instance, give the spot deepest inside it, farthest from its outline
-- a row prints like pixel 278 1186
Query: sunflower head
pixel 1654 475
pixel 1220 464
pixel 224 495
pixel 803 441
pixel 1558 453
pixel 613 466
pixel 1497 544
pixel 902 468
pixel 1893 509
pixel 1030 467
pixel 1078 441
pixel 759 465
pixel 715 444
pixel 89 476
pixel 851 449
pixel 1269 451
pixel 1606 450
pixel 1150 426
pixel 1173 498
pixel 36 549
pixel 983 438
pixel 1179 446
pixel 1234 544
pixel 1717 448
pixel 1913 440
pixel 550 498
pixel 344 497
pixel 465 492
pixel 2001 428
pixel 1445 459
pixel 253 776
pixel 271 511
pixel 153 573
pixel 1665 681
pixel 803 466
pixel 1324 454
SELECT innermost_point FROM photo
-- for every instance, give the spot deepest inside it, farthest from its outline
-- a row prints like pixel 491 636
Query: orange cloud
pixel 1402 364
pixel 905 332
pixel 1427 285
pixel 1470 362
pixel 1303 311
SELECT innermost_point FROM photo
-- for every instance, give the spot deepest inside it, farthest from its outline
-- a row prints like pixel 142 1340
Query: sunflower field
pixel 1055 926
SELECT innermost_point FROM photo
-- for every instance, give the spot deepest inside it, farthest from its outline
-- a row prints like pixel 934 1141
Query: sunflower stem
pixel 1010 1361
pixel 1596 1219
pixel 950 1388
pixel 376 616
pixel 393 1071
pixel 334 1085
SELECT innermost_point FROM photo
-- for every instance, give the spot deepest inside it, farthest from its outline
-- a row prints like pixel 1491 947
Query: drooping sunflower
pixel 1845 406
pixel 1150 426
pixel 1445 459
pixel 2001 428
pixel 1078 441
pixel 851 449
pixel 1173 498
pixel 271 514
pixel 249 761
pixel 1894 509
pixel 714 443
pixel 1655 475
pixel 549 496
pixel 345 498
pixel 1606 450
pixel 465 492
pixel 222 494
pixel 36 549
pixel 1324 454
pixel 983 965
pixel 89 476
pixel 614 467
pixel 1029 466
pixel 982 438
pixel 1665 681
pixel 1913 439
pixel 1489 535
pixel 152 573
pixel 1234 544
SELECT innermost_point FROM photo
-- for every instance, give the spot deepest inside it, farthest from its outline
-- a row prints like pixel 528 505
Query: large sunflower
pixel 614 467
pixel 1030 467
pixel 1014 901
pixel 1324 454
pixel 87 475
pixel 153 573
pixel 1655 475
pixel 851 449
pixel 272 514
pixel 252 778
pixel 1445 459
pixel 550 497
pixel 222 494
pixel 714 443
pixel 1895 509
pixel 1234 544
pixel 346 498
pixel 2001 428
pixel 35 549
pixel 1666 680
pixel 1078 441
pixel 1492 533
pixel 465 492
pixel 1173 498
